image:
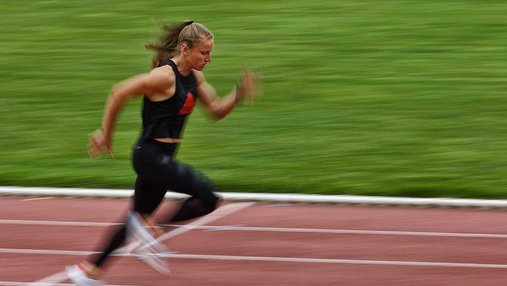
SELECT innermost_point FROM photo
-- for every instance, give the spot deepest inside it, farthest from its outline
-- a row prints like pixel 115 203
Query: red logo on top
pixel 188 106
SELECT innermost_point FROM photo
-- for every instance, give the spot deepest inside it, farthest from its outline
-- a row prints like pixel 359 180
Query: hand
pixel 248 86
pixel 97 142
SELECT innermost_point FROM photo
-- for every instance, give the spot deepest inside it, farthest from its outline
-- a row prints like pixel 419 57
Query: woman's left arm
pixel 219 107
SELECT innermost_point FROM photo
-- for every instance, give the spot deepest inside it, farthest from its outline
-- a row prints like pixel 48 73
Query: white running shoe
pixel 150 250
pixel 79 278
pixel 157 261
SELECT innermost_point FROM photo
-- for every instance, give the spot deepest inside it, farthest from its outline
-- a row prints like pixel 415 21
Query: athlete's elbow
pixel 217 113
pixel 217 116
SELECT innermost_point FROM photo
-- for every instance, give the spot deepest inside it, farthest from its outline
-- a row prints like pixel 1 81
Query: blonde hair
pixel 173 36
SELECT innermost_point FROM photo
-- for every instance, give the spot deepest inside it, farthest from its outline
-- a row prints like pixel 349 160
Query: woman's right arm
pixel 154 83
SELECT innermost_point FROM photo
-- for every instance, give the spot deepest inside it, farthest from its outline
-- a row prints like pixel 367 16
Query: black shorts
pixel 158 171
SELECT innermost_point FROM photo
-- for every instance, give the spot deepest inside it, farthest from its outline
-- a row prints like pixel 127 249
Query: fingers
pixel 250 85
pixel 93 147
pixel 110 151
pixel 98 142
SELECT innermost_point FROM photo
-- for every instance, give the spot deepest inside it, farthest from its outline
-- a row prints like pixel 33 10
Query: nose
pixel 208 59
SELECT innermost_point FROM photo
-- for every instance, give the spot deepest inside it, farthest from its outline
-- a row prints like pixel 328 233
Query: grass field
pixel 402 98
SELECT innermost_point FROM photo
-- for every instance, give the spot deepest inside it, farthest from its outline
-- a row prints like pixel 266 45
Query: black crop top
pixel 166 119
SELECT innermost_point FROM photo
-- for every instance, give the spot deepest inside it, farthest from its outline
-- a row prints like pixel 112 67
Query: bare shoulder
pixel 161 78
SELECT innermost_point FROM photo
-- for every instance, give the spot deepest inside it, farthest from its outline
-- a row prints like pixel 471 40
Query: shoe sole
pixel 74 273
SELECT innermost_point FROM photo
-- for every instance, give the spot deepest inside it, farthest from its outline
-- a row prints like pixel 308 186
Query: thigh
pixel 186 179
pixel 160 171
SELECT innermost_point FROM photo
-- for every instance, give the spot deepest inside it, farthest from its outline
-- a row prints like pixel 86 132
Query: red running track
pixel 265 244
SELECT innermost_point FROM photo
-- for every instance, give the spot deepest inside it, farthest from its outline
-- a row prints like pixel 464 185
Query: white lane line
pixel 338 261
pixel 355 231
pixel 56 223
pixel 219 227
pixel 37 199
pixel 45 251
pixel 12 283
pixel 279 259
pixel 217 214
pixel 268 229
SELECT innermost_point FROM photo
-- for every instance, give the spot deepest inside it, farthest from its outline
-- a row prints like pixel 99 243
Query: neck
pixel 183 67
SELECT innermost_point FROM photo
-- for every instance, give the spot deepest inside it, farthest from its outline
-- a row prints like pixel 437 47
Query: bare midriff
pixel 168 140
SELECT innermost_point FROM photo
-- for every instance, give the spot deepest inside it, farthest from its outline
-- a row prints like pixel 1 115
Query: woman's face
pixel 200 54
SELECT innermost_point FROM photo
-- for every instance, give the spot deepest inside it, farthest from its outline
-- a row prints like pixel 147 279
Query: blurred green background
pixel 403 98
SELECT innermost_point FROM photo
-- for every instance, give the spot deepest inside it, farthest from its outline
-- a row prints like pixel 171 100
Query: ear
pixel 184 49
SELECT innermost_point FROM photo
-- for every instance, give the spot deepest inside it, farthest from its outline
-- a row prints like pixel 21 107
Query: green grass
pixel 402 98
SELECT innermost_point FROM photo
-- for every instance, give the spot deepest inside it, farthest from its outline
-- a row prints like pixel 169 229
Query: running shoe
pixel 150 250
pixel 79 277
pixel 155 260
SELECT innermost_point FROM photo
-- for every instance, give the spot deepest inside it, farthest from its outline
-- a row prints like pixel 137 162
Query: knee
pixel 213 202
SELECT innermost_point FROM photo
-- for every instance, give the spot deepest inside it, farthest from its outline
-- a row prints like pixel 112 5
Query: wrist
pixel 105 132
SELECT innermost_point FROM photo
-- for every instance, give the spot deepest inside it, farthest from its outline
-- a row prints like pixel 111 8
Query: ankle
pixel 89 269
pixel 151 225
